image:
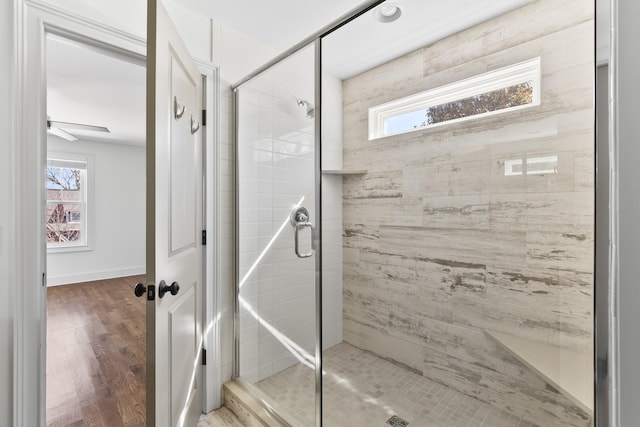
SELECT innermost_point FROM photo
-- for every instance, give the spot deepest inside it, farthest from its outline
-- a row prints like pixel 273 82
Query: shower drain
pixel 396 421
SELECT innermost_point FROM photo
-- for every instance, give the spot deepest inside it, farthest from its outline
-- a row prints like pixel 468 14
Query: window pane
pixel 65 179
pixel 508 97
pixel 64 195
pixel 403 122
pixel 63 222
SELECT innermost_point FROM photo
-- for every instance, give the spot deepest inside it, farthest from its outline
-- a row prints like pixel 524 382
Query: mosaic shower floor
pixel 362 389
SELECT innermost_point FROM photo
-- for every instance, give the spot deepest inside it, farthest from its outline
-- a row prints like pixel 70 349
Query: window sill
pixel 64 249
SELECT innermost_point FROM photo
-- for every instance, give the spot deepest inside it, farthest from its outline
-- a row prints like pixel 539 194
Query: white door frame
pixel 34 20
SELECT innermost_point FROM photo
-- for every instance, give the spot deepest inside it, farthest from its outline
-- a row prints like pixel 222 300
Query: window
pixel 506 89
pixel 66 210
pixel 531 166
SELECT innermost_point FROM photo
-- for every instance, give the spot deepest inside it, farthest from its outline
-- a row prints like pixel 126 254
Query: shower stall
pixel 415 219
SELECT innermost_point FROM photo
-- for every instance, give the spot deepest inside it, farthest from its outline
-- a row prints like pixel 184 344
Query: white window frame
pixel 527 166
pixel 85 163
pixel 526 71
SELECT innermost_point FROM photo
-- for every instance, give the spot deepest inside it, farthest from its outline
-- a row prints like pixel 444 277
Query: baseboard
pixel 68 279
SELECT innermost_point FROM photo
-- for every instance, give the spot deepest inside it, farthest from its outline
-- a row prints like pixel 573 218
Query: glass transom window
pixel 506 89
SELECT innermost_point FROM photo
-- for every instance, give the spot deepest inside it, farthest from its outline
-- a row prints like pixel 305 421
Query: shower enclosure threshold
pixel 245 402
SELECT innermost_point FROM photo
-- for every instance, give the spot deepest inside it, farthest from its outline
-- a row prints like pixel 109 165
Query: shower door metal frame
pixel 316 231
pixel 316 40
pixel 605 403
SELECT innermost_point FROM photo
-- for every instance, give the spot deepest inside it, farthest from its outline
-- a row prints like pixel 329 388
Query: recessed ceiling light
pixel 388 12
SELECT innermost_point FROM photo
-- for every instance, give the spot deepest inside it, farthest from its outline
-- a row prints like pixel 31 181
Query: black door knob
pixel 163 288
pixel 139 290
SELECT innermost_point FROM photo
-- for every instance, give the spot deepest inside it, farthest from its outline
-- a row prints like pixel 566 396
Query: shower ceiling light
pixel 387 13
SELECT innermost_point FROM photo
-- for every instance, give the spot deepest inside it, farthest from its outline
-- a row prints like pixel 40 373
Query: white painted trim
pixel 67 279
pixel 212 308
pixel 88 214
pixel 34 20
pixel 614 365
pixel 493 80
pixel 78 25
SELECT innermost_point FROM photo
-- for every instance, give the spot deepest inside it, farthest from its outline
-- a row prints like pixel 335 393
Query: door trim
pixel 34 19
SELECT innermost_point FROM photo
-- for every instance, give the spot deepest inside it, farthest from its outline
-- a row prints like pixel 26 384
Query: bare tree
pixel 63 178
pixel 60 225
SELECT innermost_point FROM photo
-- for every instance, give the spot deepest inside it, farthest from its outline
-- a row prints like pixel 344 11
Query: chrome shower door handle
pixel 300 220
pixel 301 226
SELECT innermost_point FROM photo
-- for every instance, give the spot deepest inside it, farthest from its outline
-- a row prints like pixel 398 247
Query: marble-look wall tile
pixel 441 242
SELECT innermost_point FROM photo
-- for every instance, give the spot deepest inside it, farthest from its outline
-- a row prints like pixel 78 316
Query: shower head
pixel 311 112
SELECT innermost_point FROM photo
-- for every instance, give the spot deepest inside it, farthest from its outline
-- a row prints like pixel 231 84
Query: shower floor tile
pixel 362 389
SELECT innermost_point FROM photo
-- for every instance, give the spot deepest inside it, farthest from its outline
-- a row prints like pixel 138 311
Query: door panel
pixel 276 262
pixel 184 352
pixel 183 153
pixel 174 201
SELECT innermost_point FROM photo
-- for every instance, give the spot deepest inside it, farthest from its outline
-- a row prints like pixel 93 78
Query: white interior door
pixel 174 223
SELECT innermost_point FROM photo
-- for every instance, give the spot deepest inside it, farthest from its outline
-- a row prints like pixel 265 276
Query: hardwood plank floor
pixel 96 354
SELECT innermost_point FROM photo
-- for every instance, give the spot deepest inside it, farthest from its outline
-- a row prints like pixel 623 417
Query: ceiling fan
pixel 60 129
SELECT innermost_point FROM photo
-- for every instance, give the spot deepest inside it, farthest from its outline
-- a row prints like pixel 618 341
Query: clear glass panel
pixel 477 105
pixel 66 207
pixel 64 180
pixel 276 175
pixel 63 222
pixel 458 259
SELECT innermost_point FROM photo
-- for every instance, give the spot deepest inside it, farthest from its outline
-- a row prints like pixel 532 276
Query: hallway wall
pixel 117 201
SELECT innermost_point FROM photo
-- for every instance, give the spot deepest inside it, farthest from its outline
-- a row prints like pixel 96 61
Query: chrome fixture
pixel 311 112
pixel 178 110
pixel 300 220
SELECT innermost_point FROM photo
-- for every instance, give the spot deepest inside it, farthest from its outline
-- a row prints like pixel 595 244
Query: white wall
pixel 7 232
pixel 628 106
pixel 116 217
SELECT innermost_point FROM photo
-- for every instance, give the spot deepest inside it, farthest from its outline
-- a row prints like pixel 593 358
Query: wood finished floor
pixel 96 354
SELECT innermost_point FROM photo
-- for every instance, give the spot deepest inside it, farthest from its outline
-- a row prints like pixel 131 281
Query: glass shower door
pixel 276 326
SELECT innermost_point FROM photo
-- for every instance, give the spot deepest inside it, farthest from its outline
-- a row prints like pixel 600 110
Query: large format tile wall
pixel 440 245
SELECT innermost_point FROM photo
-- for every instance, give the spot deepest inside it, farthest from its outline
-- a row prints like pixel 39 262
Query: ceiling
pixel 365 42
pixel 90 86
pixel 277 23
pixel 87 86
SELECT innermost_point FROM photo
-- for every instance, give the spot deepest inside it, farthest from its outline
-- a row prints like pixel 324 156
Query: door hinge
pixel 204 356
pixel 204 237
pixel 204 118
pixel 44 280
